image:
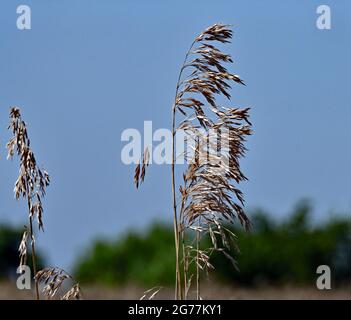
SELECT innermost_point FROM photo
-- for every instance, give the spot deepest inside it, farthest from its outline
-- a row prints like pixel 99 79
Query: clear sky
pixel 87 70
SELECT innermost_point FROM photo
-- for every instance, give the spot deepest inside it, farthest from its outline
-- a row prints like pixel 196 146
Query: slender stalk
pixel 185 256
pixel 185 268
pixel 34 256
pixel 197 266
pixel 178 289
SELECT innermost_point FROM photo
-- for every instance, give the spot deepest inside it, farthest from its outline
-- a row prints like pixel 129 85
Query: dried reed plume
pixel 31 184
pixel 209 197
pixel 53 280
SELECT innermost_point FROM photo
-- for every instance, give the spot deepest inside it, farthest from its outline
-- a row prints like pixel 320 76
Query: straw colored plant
pixel 53 280
pixel 31 185
pixel 209 196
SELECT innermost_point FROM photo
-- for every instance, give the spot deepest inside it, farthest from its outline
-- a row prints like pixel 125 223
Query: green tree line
pixel 274 252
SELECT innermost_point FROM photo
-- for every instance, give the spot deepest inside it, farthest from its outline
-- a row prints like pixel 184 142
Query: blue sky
pixel 87 70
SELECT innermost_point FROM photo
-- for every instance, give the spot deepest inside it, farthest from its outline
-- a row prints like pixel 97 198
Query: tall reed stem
pixel 178 289
pixel 197 266
pixel 34 256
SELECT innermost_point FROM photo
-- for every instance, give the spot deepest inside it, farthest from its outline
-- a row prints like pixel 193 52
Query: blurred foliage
pixel 135 258
pixel 274 252
pixel 10 239
pixel 286 252
pixel 291 251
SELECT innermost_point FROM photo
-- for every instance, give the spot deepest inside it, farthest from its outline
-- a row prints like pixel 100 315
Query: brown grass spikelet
pixel 23 248
pixel 73 294
pixel 53 280
pixel 150 294
pixel 140 169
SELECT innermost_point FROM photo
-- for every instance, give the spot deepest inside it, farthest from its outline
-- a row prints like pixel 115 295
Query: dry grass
pixel 53 280
pixel 209 196
pixel 31 185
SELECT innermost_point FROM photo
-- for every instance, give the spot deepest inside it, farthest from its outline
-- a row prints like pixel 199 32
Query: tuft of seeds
pixel 209 193
pixel 210 197
pixel 52 280
pixel 32 181
pixel 31 184
pixel 73 293
pixel 140 170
